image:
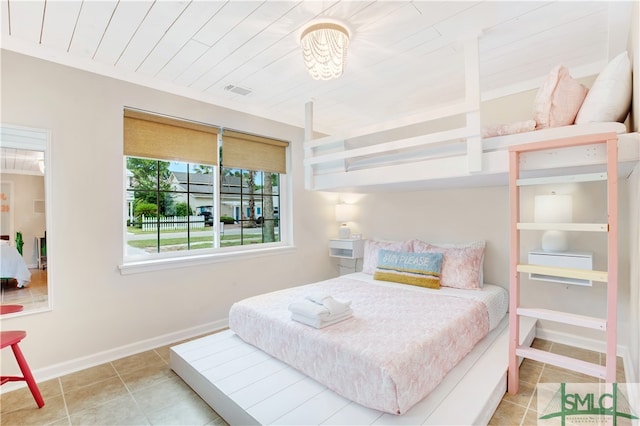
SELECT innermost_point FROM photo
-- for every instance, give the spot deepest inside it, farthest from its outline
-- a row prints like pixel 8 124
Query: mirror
pixel 24 219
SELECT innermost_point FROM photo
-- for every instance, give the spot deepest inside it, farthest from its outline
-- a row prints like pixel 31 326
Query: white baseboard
pixel 592 345
pixel 78 364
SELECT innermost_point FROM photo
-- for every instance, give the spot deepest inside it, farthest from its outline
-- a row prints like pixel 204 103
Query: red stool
pixel 12 338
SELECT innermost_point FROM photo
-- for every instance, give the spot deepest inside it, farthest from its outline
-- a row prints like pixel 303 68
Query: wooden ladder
pixel 608 324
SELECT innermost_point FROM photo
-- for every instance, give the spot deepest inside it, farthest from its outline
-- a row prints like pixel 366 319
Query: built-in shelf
pixel 571 267
pixel 347 248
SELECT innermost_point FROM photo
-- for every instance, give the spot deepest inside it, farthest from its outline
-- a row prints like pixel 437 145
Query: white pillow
pixel 610 97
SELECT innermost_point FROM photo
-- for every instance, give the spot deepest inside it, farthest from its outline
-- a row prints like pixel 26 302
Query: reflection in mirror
pixel 24 268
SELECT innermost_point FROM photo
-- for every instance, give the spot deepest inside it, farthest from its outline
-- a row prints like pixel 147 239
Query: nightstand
pixel 566 259
pixel 349 251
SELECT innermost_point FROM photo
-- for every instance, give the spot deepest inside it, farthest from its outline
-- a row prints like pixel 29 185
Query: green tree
pixel 147 209
pixel 183 209
pixel 149 178
pixel 202 169
pixel 250 176
pixel 268 227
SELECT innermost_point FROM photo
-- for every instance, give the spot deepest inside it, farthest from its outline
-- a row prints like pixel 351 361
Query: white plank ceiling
pixel 404 57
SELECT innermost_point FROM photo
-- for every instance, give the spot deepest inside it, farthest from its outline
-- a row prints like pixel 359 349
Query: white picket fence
pixel 150 223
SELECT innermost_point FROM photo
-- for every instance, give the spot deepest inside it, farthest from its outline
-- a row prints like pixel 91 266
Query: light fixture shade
pixel 344 212
pixel 554 209
pixel 324 49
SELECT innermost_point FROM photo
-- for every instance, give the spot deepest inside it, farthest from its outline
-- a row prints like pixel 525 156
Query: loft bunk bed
pixel 444 147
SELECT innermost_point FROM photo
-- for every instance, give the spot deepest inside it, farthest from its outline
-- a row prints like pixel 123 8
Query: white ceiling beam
pixel 122 27
pixel 156 23
pixel 91 26
pixel 194 17
pixel 59 22
pixel 25 18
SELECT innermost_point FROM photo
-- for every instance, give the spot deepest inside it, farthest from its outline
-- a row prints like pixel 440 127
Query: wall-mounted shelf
pixel 346 249
pixel 572 260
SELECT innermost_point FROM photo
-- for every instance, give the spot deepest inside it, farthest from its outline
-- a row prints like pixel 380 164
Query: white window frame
pixel 171 260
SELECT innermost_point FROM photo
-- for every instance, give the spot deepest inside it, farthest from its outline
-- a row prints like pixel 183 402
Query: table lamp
pixel 344 214
pixel 554 208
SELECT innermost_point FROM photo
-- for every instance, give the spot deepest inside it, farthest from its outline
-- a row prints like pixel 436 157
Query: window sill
pixel 196 260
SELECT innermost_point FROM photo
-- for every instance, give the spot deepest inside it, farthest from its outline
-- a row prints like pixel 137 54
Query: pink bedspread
pixel 397 347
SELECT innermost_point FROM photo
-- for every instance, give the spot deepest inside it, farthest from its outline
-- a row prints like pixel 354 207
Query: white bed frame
pixel 245 386
pixel 440 147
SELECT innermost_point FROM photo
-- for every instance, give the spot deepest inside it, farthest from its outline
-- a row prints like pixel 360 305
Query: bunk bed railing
pixel 335 153
pixel 332 149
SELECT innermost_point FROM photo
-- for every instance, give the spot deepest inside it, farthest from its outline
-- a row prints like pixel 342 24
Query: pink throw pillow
pixel 508 129
pixel 558 100
pixel 372 247
pixel 461 265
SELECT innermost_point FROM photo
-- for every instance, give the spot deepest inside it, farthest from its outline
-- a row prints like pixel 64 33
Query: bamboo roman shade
pixel 251 152
pixel 154 136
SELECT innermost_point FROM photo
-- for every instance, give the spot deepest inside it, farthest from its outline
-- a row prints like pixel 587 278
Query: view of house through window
pixel 175 203
pixel 249 205
pixel 172 207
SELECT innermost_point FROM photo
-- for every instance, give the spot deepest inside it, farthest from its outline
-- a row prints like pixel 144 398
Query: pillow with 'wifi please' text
pixel 419 269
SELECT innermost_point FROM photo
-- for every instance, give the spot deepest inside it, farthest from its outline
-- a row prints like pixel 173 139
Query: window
pixel 250 199
pixel 193 187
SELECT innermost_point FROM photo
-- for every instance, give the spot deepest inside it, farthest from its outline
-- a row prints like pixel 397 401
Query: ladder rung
pixel 588 227
pixel 562 361
pixel 564 317
pixel 581 274
pixel 587 177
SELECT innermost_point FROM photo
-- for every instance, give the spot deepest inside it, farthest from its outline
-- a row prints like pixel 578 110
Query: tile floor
pixel 142 390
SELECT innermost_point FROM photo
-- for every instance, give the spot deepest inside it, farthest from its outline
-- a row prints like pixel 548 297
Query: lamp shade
pixel 345 212
pixel 553 209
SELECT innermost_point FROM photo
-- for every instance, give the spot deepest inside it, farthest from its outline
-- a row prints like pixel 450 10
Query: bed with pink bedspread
pixel 398 346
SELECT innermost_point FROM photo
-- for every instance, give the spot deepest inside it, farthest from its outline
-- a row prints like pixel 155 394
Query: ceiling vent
pixel 237 89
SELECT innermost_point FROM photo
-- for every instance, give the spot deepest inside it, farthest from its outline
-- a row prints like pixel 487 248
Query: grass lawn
pixel 198 242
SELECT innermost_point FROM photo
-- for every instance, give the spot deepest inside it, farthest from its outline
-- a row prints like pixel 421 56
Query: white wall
pixel 460 215
pixel 634 282
pixel 634 48
pixel 96 310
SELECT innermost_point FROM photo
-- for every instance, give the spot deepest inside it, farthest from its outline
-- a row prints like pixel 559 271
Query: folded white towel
pixel 309 309
pixel 334 306
pixel 320 322
pixel 317 297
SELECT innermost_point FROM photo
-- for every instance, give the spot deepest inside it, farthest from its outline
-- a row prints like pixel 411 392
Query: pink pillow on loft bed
pixel 558 100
